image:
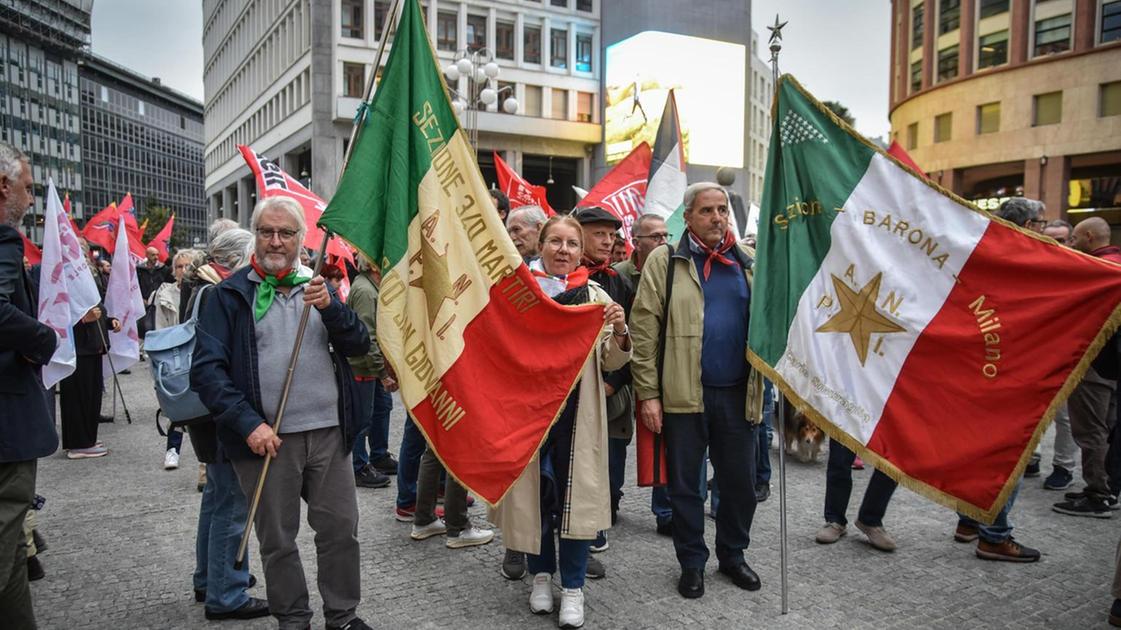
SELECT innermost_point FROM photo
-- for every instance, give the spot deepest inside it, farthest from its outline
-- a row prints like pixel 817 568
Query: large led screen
pixel 707 77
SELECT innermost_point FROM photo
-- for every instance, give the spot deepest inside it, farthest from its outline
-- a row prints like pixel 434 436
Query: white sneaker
pixel 541 597
pixel 470 537
pixel 85 453
pixel 435 528
pixel 572 608
pixel 171 460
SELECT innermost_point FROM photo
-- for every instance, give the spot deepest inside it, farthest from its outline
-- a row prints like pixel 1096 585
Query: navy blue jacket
pixel 26 429
pixel 224 367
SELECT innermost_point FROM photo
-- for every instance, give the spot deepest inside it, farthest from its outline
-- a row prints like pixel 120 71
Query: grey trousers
pixel 315 466
pixel 1066 449
pixel 17 490
pixel 427 486
pixel 1091 420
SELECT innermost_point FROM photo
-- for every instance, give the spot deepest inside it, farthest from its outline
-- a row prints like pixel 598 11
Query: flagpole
pixel 359 119
pixel 780 402
pixel 116 383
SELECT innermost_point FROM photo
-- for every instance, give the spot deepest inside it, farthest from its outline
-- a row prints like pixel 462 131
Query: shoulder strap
pixel 665 315
pixel 197 297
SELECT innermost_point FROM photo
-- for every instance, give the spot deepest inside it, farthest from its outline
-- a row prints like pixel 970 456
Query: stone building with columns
pixel 286 77
pixel 1000 98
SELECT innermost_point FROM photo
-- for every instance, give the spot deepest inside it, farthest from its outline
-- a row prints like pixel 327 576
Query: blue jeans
pixel 1001 529
pixel 221 525
pixel 375 405
pixel 573 559
pixel 174 440
pixel 408 463
pixel 763 443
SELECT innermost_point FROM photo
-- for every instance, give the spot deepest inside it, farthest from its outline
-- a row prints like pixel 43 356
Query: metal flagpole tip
pixel 776 35
pixel 239 564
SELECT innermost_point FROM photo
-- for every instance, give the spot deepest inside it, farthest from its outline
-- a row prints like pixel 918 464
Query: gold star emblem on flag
pixel 434 279
pixel 859 317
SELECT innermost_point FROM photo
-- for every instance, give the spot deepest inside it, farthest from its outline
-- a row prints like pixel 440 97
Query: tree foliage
pixel 841 111
pixel 156 217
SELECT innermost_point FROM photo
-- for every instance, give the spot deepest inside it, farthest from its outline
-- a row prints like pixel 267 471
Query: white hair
pixel 695 189
pixel 530 214
pixel 643 219
pixel 11 161
pixel 286 204
pixel 232 248
pixel 219 226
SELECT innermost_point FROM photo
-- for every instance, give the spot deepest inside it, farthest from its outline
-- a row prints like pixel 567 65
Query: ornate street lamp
pixel 481 71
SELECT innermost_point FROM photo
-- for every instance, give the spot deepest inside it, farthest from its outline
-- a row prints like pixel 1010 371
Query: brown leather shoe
pixel 966 533
pixel 1008 551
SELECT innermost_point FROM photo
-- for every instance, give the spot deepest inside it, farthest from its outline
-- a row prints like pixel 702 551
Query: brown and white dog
pixel 803 437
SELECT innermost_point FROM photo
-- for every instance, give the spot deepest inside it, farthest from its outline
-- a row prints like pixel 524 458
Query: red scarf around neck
pixel 716 253
pixel 578 278
pixel 602 266
pixel 264 274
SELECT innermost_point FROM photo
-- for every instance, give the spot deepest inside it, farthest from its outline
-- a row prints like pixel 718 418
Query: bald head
pixel 1090 234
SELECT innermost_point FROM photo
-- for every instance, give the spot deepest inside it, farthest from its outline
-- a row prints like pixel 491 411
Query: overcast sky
pixel 838 50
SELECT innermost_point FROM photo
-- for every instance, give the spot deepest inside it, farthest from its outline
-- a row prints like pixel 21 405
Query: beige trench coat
pixel 589 493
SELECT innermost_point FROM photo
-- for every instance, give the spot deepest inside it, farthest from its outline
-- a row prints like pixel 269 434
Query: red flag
pixel 33 254
pixel 66 206
pixel 898 153
pixel 101 228
pixel 162 239
pixel 622 192
pixel 272 181
pixel 135 240
pixel 520 192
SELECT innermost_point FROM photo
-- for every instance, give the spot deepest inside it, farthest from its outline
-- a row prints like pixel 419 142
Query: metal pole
pixel 776 46
pixel 239 559
pixel 116 383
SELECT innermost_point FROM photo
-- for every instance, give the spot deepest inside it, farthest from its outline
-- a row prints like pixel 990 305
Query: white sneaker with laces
pixel 171 460
pixel 572 608
pixel 541 597
pixel 435 528
pixel 470 537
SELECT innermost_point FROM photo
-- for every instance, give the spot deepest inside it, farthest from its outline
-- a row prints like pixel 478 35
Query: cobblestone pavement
pixel 121 532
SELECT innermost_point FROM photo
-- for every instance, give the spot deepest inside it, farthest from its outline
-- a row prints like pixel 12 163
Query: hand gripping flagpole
pixel 116 384
pixel 780 400
pixel 239 559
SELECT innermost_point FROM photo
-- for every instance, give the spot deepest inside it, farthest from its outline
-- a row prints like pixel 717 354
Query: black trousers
pixel 730 440
pixel 80 402
pixel 17 489
pixel 838 489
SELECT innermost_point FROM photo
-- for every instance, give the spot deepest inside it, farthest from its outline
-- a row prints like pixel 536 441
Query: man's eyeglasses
pixel 660 237
pixel 285 235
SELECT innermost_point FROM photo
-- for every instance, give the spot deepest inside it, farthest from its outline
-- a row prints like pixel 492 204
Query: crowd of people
pixel 671 356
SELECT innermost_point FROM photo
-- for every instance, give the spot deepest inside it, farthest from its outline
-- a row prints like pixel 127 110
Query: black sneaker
pixel 1115 614
pixel 762 492
pixel 1032 470
pixel 35 569
pixel 513 565
pixel 1110 501
pixel 594 570
pixel 368 477
pixel 1059 479
pixel 1084 506
pixel 353 624
pixel 386 465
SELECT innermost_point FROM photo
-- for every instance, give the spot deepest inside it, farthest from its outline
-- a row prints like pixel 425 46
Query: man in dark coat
pixel 25 424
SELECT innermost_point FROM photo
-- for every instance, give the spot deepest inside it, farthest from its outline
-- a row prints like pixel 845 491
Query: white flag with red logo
pixel 519 191
pixel 67 290
pixel 123 301
pixel 622 192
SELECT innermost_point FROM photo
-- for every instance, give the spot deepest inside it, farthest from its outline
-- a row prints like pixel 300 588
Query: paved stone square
pixel 122 532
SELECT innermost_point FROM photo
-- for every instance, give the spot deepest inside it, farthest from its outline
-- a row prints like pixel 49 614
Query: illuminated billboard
pixel 706 75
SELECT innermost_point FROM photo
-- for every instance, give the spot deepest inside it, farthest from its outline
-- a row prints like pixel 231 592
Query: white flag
pixel 67 290
pixel 123 302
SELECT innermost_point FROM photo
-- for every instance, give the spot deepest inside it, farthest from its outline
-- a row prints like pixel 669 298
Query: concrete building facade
pixel 999 98
pixel 142 137
pixel 41 42
pixel 762 90
pixel 286 77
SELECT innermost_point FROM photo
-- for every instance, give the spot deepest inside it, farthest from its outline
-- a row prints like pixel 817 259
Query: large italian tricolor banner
pixel 484 359
pixel 933 339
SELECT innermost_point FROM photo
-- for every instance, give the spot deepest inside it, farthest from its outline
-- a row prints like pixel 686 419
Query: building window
pixel 584 5
pixel 947 63
pixel 1052 35
pixel 992 49
pixel 560 104
pixel 476 32
pixel 352 18
pixel 504 39
pixel 381 12
pixel 1111 21
pixel 354 79
pixel 1047 109
pixel 916 76
pixel 1110 99
pixel 585 102
pixel 949 16
pixel 531 106
pixel 916 27
pixel 446 38
pixel 988 118
pixel 912 136
pixel 558 46
pixel 583 52
pixel 943 127
pixel 993 7
pixel 531 45
pixel 559 3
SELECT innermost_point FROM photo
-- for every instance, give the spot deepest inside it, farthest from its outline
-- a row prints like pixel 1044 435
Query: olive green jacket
pixel 363 300
pixel 679 387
